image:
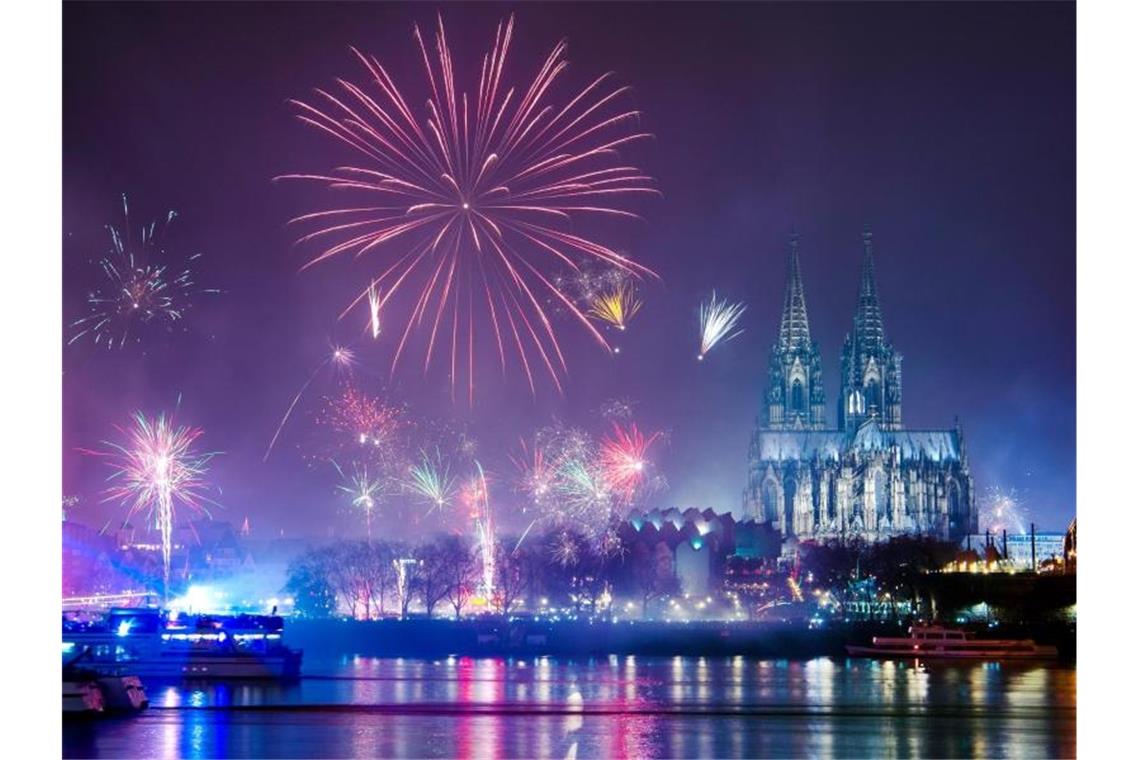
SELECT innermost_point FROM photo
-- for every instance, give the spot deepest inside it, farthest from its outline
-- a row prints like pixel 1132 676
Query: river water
pixel 614 707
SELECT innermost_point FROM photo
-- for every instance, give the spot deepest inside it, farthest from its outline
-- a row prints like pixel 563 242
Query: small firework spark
pixel 343 357
pixel 1002 509
pixel 536 478
pixel 364 490
pixel 69 502
pixel 432 481
pixel 615 306
pixel 361 422
pixel 477 202
pixel 566 548
pixel 617 409
pixel 624 459
pixel 156 467
pixel 143 285
pixel 611 544
pixel 718 323
pixel 468 446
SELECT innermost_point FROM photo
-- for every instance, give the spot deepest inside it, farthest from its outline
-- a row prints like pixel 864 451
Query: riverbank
pixel 496 636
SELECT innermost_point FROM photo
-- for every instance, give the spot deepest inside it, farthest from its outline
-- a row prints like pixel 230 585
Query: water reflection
pixel 606 707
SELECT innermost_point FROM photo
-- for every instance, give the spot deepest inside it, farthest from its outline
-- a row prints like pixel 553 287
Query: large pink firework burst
pixel 156 467
pixel 476 203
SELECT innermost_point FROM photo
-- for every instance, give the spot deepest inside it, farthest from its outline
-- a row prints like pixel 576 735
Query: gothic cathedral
pixel 870 477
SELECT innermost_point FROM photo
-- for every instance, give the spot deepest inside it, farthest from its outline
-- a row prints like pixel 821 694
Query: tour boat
pixel 149 643
pixel 937 642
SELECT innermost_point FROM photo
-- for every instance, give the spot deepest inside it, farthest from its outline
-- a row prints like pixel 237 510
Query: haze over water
pixel 607 707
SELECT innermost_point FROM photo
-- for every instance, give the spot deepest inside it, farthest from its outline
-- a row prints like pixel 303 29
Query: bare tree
pixel 309 585
pixel 377 572
pixel 431 575
pixel 339 564
pixel 461 569
pixel 653 577
pixel 512 575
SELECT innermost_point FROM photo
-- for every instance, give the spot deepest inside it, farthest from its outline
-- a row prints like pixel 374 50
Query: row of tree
pixel 860 571
pixel 368 579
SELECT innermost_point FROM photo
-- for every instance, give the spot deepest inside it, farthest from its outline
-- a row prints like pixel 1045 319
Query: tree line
pixel 444 573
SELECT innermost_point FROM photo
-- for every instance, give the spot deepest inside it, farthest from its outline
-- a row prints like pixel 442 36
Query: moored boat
pixel 938 642
pixel 123 693
pixel 81 695
pixel 148 643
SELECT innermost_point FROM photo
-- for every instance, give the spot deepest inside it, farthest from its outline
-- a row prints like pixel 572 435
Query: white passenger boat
pixel 148 643
pixel 937 642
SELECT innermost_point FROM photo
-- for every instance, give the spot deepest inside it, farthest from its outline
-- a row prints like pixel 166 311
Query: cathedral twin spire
pixel 870 369
pixel 795 333
pixel 795 397
pixel 868 315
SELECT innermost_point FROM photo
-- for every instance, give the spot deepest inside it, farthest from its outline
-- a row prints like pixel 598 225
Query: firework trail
pixel 624 459
pixel 536 476
pixel 476 498
pixel 431 480
pixel 138 289
pixel 471 203
pixel 374 310
pixel 617 306
pixel 1002 509
pixel 341 358
pixel 535 481
pixel 156 467
pixel 718 321
pixel 365 491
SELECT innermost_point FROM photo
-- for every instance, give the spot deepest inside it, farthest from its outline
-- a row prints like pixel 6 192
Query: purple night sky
pixel 948 128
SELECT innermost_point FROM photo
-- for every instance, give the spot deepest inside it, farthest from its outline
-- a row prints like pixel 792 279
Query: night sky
pixel 948 128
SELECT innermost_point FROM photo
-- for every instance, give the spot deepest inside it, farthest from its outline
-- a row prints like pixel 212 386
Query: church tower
pixel 870 369
pixel 795 399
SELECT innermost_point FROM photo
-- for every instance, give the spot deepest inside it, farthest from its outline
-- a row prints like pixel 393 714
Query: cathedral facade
pixel 868 477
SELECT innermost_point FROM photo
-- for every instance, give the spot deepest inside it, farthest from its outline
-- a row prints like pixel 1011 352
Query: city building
pixel 692 544
pixel 1022 551
pixel 696 546
pixel 869 476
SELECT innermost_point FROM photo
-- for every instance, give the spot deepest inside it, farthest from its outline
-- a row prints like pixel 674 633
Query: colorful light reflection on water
pixel 606 707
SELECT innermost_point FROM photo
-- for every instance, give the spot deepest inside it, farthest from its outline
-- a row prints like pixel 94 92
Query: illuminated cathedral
pixel 869 477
